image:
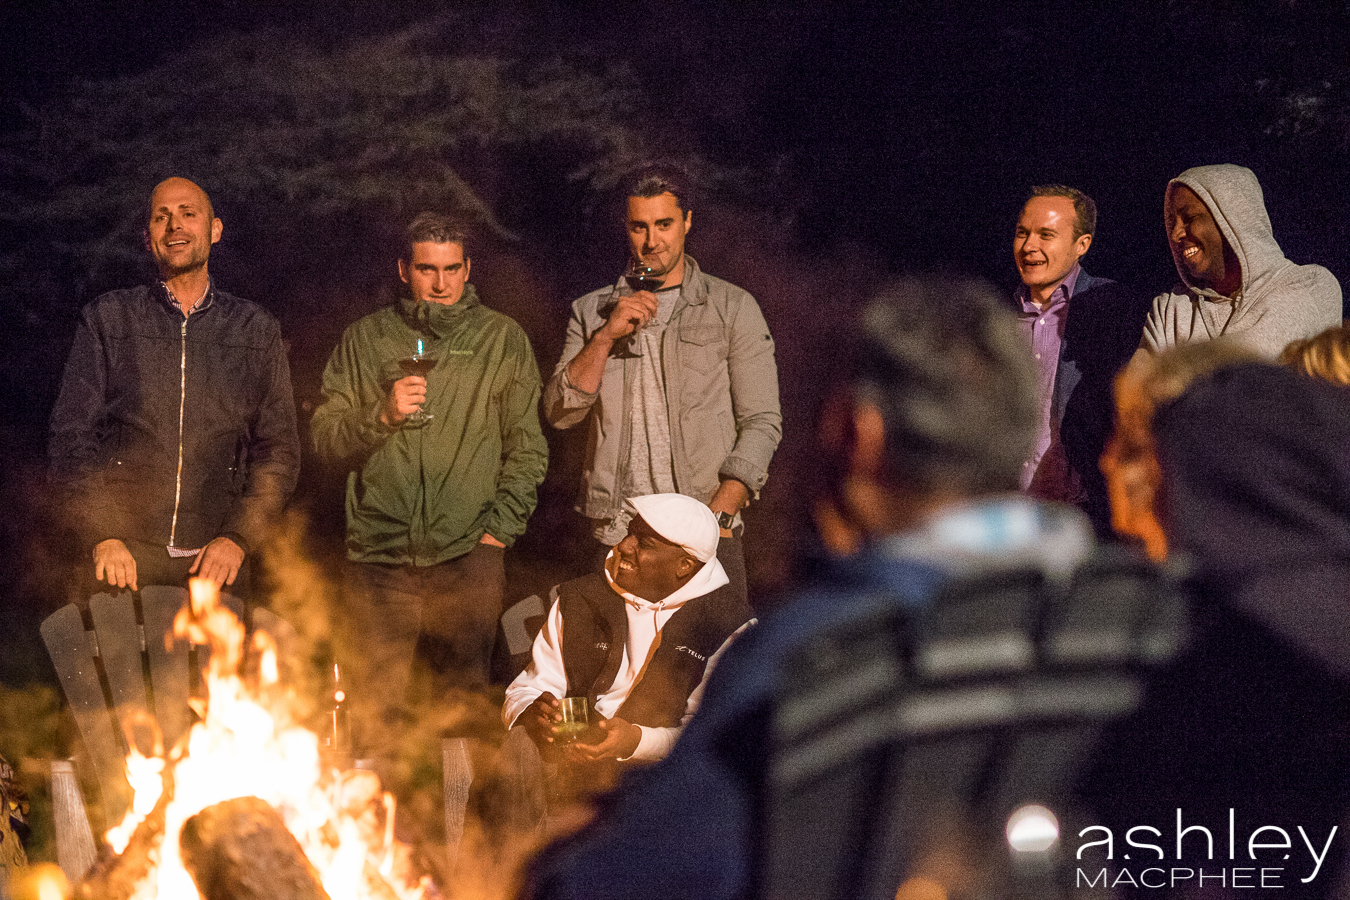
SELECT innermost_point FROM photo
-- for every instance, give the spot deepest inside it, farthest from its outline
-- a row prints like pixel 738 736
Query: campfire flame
pixel 146 776
pixel 243 748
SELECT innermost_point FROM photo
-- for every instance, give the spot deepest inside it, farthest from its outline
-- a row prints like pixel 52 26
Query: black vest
pixel 595 627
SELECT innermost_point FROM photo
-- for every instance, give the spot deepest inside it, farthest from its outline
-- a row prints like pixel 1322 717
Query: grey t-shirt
pixel 650 467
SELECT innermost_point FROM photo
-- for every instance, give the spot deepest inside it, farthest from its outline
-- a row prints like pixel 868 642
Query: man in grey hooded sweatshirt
pixel 1235 279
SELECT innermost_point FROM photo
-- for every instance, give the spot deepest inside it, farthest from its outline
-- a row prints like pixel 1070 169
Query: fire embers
pixel 244 806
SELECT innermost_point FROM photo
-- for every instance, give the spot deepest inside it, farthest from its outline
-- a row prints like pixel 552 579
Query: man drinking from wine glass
pixel 173 438
pixel 430 406
pixel 673 372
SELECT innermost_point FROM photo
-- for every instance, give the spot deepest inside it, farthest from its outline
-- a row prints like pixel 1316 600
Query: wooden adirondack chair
pixel 113 664
pixel 124 644
pixel 901 738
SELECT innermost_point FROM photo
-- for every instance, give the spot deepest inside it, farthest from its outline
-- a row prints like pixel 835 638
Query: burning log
pixel 241 850
pixel 207 819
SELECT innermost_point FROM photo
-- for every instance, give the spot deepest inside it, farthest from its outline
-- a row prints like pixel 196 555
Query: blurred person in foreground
pixel 1235 279
pixel 637 640
pixel 1238 471
pixel 676 381
pixel 174 436
pixel 1326 356
pixel 443 466
pixel 1082 330
pixel 924 443
pixel 1232 462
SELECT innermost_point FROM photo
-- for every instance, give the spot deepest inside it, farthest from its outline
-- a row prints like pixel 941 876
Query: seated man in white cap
pixel 637 639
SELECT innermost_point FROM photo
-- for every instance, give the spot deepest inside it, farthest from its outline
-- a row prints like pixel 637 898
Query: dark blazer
pixel 1101 334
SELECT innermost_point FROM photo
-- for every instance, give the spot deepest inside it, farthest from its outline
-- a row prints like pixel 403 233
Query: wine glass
pixel 642 278
pixel 420 363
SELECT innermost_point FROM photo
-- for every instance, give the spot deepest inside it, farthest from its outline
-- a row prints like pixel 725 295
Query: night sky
pixel 849 141
pixel 913 129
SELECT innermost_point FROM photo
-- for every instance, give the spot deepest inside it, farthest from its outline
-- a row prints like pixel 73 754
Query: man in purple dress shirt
pixel 1082 330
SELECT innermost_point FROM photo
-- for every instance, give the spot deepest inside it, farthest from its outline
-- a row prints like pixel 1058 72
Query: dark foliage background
pixel 836 143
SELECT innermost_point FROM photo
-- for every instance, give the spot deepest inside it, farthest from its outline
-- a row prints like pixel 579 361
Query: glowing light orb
pixel 1032 829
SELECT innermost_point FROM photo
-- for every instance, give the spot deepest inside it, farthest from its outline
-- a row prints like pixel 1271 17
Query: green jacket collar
pixel 437 319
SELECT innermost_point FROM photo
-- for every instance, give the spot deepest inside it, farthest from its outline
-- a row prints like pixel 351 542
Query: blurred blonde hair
pixel 1326 356
pixel 1133 474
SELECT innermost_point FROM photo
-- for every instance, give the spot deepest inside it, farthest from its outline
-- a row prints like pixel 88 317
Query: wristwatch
pixel 724 519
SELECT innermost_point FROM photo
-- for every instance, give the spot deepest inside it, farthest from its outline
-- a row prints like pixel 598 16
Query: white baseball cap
pixel 681 520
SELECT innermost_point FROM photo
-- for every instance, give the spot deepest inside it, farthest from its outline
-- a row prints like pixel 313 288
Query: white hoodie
pixel 1279 301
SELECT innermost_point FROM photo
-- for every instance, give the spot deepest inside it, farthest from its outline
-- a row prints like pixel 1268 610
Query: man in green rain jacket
pixel 443 466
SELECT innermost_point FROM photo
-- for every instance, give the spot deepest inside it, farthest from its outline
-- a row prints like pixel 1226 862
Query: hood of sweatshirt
pixel 1278 301
pixel 1234 198
pixel 707 579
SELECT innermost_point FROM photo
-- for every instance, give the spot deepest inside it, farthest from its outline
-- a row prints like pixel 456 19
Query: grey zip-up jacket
pixel 175 430
pixel 1279 301
pixel 717 359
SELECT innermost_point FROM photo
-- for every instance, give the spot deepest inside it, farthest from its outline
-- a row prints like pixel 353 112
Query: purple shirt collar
pixel 1061 294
